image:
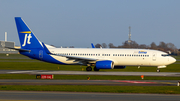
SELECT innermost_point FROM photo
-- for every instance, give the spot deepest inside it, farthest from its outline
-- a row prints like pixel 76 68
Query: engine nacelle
pixel 119 67
pixel 107 64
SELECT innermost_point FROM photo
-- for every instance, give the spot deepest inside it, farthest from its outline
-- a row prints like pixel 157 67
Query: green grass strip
pixel 95 88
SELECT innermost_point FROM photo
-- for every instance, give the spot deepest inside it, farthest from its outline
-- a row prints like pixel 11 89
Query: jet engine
pixel 106 64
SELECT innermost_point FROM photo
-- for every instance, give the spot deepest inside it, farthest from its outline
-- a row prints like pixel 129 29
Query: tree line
pixel 169 48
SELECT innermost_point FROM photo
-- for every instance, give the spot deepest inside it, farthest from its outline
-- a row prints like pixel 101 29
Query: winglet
pixel 92 45
pixel 46 49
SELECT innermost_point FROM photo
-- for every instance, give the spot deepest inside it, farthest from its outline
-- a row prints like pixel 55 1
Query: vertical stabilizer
pixel 26 37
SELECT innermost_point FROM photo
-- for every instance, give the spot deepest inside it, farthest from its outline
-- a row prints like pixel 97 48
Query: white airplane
pixel 100 58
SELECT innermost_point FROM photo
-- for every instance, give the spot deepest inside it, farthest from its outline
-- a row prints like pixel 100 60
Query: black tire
pixel 95 69
pixel 158 70
pixel 89 69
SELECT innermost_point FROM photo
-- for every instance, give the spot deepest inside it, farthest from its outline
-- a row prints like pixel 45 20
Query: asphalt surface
pixel 91 82
pixel 78 96
pixel 90 73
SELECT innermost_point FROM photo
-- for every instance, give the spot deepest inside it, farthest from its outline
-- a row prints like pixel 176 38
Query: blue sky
pixel 82 22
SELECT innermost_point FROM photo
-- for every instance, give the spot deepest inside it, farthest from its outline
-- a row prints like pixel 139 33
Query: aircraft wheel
pixel 89 68
pixel 95 69
pixel 158 70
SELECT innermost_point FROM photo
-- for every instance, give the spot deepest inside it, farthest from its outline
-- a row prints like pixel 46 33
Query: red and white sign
pixel 44 76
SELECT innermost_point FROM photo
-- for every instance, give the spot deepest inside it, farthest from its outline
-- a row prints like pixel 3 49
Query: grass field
pixel 95 88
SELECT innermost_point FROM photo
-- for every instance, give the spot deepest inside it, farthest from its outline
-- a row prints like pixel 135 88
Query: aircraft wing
pixel 76 58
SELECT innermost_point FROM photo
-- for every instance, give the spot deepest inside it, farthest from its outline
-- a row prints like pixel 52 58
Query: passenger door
pixel 154 56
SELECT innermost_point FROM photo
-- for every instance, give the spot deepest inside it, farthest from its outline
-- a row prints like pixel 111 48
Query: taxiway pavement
pixel 175 74
pixel 91 82
pixel 82 96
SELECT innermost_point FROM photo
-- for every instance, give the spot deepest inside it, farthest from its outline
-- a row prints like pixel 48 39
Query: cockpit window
pixel 164 55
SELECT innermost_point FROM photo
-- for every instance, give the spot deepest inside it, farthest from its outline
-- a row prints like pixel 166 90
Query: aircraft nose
pixel 172 60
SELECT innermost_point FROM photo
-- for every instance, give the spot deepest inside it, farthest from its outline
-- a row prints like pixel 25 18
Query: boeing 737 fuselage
pixel 100 58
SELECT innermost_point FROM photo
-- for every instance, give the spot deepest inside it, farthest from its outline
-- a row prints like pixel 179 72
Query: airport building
pixel 4 44
pixel 9 44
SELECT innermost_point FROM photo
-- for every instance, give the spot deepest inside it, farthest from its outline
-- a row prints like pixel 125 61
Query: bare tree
pixel 143 46
pixel 153 45
pixel 111 45
pixel 104 45
pixel 171 46
pixel 98 45
pixel 162 46
pixel 132 44
pixel 126 45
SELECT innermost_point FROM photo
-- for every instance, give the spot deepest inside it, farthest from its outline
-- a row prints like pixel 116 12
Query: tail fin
pixel 92 45
pixel 26 37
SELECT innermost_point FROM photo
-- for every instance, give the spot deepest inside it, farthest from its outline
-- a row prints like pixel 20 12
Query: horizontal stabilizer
pixel 21 50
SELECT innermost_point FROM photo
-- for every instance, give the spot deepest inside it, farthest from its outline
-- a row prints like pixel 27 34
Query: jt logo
pixel 27 38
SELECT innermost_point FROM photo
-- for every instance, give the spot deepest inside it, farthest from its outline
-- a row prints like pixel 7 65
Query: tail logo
pixel 27 37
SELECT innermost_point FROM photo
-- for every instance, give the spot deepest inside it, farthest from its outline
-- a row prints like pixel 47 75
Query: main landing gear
pixel 95 69
pixel 158 70
pixel 89 68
